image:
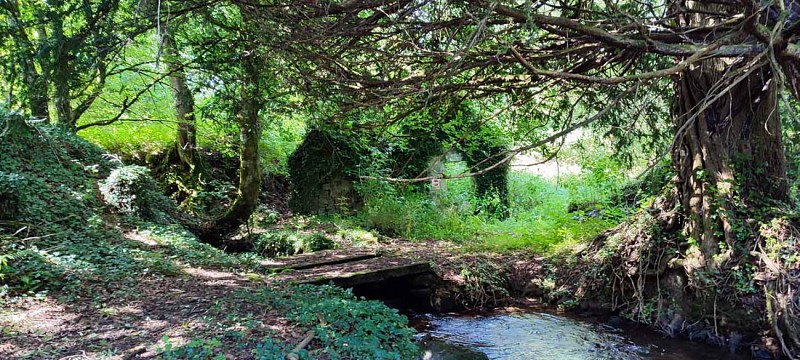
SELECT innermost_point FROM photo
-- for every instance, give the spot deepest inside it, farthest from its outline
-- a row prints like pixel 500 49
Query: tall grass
pixel 539 216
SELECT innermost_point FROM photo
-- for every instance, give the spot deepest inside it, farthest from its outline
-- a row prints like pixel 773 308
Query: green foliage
pixel 316 242
pixel 9 194
pixel 463 132
pixel 538 216
pixel 59 239
pixel 285 243
pixel 55 191
pixel 132 191
pixel 213 199
pixel 197 349
pixel 132 140
pixel 271 349
pixel 347 327
pixel 178 246
pixel 279 243
pixel 68 50
pixel 358 237
pixel 637 192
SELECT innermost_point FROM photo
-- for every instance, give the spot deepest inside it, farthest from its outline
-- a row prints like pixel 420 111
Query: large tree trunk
pixel 730 155
pixel 186 144
pixel 731 168
pixel 249 167
pixel 687 264
pixel 731 152
pixel 249 161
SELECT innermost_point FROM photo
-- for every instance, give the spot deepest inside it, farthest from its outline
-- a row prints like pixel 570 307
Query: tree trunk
pixel 60 78
pixel 37 90
pixel 186 144
pixel 730 155
pixel 35 82
pixel 62 99
pixel 731 151
pixel 250 133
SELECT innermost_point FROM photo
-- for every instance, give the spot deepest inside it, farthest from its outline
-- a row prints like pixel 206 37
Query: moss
pixel 324 156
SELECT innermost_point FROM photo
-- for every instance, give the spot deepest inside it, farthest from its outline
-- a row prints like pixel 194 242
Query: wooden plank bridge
pixel 345 267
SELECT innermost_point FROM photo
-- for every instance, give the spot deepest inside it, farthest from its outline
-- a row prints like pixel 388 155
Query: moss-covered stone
pixel 132 191
pixel 322 171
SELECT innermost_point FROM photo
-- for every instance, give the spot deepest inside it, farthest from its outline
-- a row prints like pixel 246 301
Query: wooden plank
pixel 317 259
pixel 350 279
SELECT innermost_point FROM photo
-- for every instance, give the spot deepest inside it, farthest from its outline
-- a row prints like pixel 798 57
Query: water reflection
pixel 545 336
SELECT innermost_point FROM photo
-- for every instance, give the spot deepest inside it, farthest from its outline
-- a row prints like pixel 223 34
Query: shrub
pixel 273 244
pixel 347 327
pixel 213 199
pixel 316 242
pixel 284 243
pixel 131 190
pixel 359 236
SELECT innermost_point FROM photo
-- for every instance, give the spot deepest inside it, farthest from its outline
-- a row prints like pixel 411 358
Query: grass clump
pixel 316 242
pixel 358 236
pixel 279 243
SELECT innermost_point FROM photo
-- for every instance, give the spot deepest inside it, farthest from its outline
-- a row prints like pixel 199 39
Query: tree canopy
pixel 710 85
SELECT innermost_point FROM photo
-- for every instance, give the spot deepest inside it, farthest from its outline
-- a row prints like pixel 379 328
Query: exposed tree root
pixel 645 269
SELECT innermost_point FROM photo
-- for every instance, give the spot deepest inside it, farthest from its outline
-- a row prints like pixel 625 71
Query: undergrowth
pixel 538 213
pixel 344 326
pixel 58 237
pixel 347 327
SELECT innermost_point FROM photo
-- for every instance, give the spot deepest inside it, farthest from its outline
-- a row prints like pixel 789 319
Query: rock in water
pixel 436 349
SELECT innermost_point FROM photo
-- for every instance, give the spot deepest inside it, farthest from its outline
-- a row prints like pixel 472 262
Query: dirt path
pixel 130 323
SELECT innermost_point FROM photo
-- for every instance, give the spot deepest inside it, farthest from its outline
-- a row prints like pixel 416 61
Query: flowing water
pixel 542 336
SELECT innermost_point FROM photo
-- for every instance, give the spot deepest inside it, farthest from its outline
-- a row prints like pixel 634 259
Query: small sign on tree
pixel 436 184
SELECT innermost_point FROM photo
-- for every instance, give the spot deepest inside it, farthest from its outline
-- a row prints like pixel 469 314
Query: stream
pixel 538 335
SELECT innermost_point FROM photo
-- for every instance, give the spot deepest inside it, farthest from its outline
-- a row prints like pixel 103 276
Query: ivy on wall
pixel 330 154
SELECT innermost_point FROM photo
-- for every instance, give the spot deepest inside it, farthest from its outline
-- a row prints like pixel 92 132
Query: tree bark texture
pixel 61 78
pixel 183 100
pixel 730 153
pixel 250 134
